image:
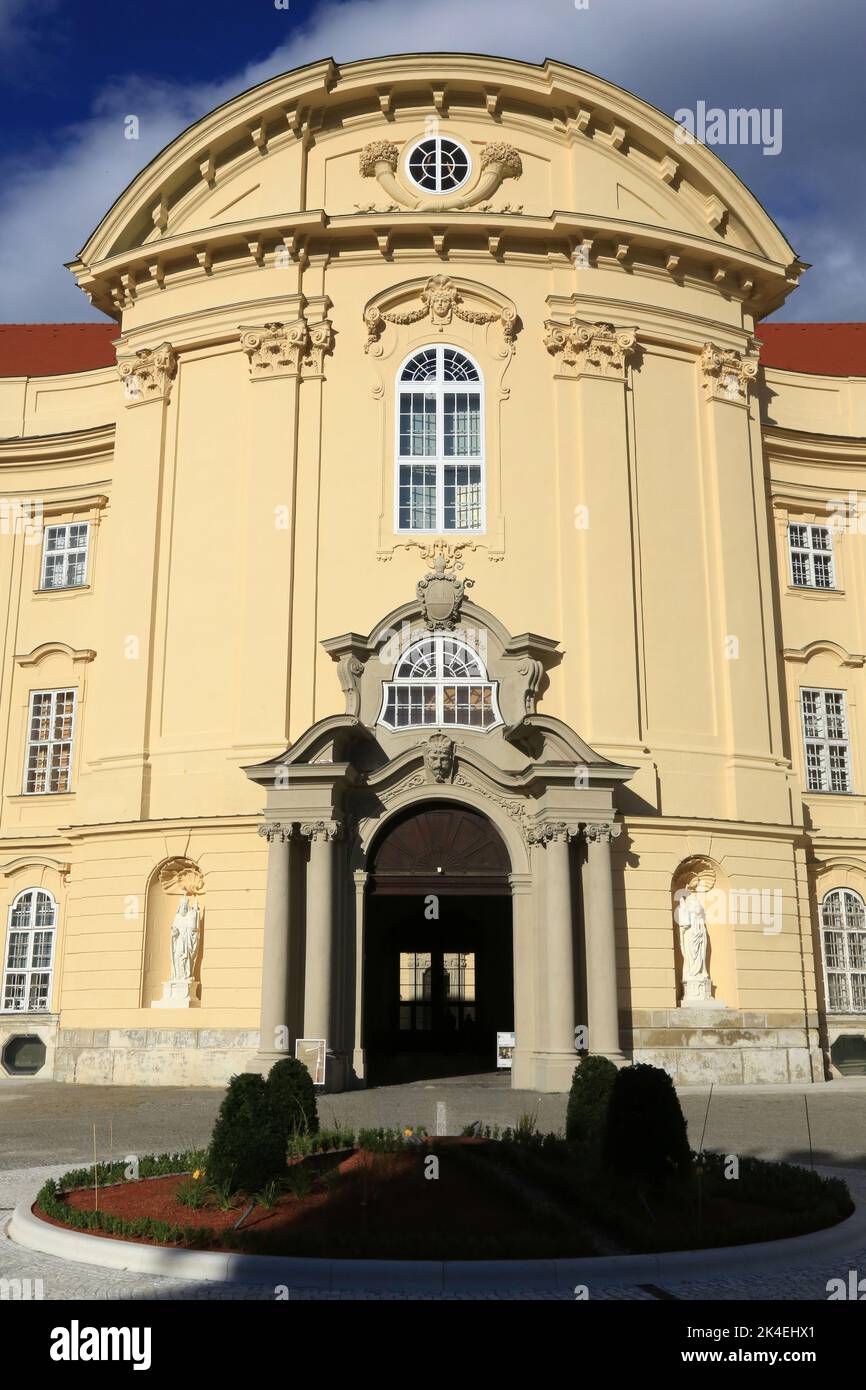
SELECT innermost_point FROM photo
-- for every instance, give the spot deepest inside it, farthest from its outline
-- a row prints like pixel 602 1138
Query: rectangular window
pixel 825 738
pixel 64 556
pixel 811 550
pixel 49 741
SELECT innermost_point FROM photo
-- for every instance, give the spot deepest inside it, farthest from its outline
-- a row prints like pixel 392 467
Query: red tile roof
pixel 49 349
pixel 830 349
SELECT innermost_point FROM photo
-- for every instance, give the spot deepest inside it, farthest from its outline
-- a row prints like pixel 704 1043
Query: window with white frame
pixel 440 443
pixel 843 932
pixel 440 682
pixel 438 164
pixel 811 551
pixel 50 725
pixel 64 556
pixel 29 952
pixel 825 739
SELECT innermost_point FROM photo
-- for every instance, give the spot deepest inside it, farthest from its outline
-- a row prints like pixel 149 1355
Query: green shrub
pixel 248 1147
pixel 645 1136
pixel 588 1101
pixel 292 1097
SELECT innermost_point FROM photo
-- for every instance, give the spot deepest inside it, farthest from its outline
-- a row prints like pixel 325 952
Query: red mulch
pixel 387 1193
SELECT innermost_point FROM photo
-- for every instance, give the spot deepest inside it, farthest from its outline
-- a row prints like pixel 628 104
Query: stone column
pixel 524 929
pixel 359 1061
pixel 274 1040
pixel 560 942
pixel 320 1012
pixel 601 991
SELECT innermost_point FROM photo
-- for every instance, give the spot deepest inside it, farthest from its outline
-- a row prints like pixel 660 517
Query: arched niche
pixel 700 896
pixel 172 881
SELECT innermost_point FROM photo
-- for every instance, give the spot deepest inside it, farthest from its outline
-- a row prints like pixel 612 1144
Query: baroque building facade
pixel 442 620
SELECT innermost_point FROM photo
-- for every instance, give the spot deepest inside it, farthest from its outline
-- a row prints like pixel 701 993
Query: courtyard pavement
pixel 46 1128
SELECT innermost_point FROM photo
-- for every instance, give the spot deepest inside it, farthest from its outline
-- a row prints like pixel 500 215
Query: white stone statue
pixel 184 940
pixel 694 941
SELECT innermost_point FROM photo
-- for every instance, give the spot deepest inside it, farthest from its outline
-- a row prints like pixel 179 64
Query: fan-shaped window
pixel 843 921
pixel 440 442
pixel 440 682
pixel 29 952
pixel 438 164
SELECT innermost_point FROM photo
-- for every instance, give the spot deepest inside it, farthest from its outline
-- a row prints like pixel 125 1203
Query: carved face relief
pixel 439 758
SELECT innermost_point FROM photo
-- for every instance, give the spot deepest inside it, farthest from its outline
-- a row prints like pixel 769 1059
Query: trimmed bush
pixel 247 1147
pixel 591 1086
pixel 645 1137
pixel 292 1098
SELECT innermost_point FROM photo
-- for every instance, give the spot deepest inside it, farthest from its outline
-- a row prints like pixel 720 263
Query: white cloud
pixel 670 54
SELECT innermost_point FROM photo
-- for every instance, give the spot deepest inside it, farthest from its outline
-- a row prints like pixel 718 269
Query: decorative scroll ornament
pixel 273 832
pixel 602 834
pixel 280 349
pixel 441 596
pixel 594 348
pixel 499 161
pixel 439 758
pixel 440 301
pixel 727 374
pixel 181 876
pixel 546 831
pixel 322 830
pixel 148 374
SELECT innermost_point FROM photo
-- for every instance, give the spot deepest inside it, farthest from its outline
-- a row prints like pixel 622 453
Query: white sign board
pixel 312 1052
pixel 504 1050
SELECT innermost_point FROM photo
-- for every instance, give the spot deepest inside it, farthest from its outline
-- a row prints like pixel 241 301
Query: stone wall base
pixel 152 1056
pixel 730 1047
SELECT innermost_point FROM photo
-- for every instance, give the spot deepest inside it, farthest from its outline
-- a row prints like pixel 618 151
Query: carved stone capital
pixel 601 834
pixel 546 832
pixel 727 375
pixel 147 375
pixel 276 349
pixel 322 830
pixel 595 349
pixel 274 832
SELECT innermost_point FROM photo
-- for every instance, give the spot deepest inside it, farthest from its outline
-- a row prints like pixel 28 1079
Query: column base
pixel 263 1061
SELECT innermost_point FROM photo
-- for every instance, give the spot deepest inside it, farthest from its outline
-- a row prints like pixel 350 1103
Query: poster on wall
pixel 504 1050
pixel 312 1052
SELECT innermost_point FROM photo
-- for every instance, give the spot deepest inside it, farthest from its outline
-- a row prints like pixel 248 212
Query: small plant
pixel 269 1195
pixel 193 1192
pixel 527 1126
pixel 224 1195
pixel 299 1180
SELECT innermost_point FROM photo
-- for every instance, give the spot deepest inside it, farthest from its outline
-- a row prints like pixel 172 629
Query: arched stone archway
pixel 438 968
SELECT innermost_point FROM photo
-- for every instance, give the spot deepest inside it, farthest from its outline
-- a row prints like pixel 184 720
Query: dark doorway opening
pixel 438 960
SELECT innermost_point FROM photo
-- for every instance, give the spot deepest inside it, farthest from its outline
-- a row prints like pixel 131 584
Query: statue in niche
pixel 691 918
pixel 184 940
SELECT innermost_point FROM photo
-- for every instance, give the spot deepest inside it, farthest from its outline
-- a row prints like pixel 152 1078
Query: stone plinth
pixel 698 1045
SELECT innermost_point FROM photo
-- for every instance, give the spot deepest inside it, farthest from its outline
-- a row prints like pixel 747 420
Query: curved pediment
pixel 318 157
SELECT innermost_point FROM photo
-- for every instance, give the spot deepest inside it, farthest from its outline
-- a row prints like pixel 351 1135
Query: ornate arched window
pixel 29 952
pixel 440 442
pixel 843 922
pixel 440 682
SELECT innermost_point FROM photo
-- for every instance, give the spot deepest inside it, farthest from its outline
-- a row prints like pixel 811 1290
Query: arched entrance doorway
pixel 438 961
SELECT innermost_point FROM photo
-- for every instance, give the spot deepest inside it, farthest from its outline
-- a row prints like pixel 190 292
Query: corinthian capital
pixel 727 375
pixel 147 375
pixel 276 349
pixel 548 831
pixel 596 349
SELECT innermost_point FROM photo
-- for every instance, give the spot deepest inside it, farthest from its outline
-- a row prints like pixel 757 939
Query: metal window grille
pixel 811 551
pixel 843 920
pixel 48 759
pixel 825 738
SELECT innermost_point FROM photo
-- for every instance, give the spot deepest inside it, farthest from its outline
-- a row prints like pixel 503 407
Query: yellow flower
pixel 196 1175
pixel 408 1132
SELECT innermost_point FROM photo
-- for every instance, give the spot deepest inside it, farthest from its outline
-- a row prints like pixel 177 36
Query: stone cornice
pixel 78 446
pixel 118 281
pixel 813 450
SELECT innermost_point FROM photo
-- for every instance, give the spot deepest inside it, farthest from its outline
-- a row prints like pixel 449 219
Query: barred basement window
pixel 438 165
pixel 440 443
pixel 29 952
pixel 440 682
pixel 825 738
pixel 49 745
pixel 64 556
pixel 811 551
pixel 843 920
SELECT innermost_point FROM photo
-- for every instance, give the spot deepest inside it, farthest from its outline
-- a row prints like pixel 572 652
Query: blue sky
pixel 73 69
